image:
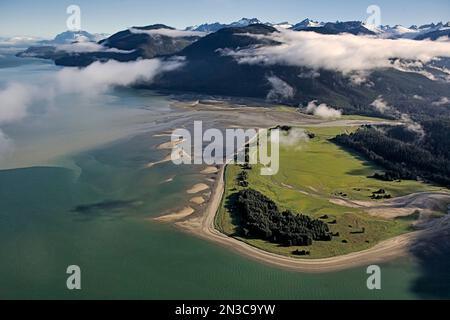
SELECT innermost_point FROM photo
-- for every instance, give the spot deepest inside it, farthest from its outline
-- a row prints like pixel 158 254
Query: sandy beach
pixel 185 212
pixel 197 200
pixel 198 188
pixel 202 224
pixel 170 144
pixel 209 170
pixel 166 159
pixel 389 249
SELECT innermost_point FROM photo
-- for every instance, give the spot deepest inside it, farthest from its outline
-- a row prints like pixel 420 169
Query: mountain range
pixel 136 42
pixel 68 37
pixel 210 71
pixel 210 67
pixel 431 31
pixel 146 42
pixel 216 26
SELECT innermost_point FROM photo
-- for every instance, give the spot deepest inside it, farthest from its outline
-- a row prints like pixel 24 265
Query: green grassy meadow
pixel 310 174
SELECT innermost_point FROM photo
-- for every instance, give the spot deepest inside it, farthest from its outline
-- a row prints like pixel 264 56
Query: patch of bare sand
pixel 344 203
pixel 424 202
pixel 197 200
pixel 166 159
pixel 185 212
pixel 168 180
pixel 171 157
pixel 209 170
pixel 166 133
pixel 292 188
pixel 170 144
pixel 199 187
pixel 203 226
pixel 193 223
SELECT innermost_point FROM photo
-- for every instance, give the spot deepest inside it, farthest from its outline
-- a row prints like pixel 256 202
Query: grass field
pixel 310 174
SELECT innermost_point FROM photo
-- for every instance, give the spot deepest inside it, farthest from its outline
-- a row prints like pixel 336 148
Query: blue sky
pixel 48 17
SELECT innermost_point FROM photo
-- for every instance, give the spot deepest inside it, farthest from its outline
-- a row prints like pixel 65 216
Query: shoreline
pixel 204 227
pixel 201 223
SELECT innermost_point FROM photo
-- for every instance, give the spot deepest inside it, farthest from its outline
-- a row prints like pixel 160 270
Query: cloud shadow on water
pixel 105 208
pixel 432 253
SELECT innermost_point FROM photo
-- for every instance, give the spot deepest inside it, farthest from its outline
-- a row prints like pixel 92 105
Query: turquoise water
pixel 122 256
pixel 88 205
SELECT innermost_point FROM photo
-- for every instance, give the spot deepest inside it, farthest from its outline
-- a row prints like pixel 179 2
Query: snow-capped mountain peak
pixel 307 23
pixel 431 31
pixel 216 26
pixel 246 22
pixel 281 25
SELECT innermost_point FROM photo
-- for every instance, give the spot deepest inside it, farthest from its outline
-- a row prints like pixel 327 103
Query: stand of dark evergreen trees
pixel 403 153
pixel 261 218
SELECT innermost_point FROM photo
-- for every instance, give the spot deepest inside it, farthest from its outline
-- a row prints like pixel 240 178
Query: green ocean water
pixel 123 256
pixel 91 207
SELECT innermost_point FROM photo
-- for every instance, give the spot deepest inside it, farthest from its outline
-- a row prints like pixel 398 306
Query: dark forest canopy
pixel 403 153
pixel 261 218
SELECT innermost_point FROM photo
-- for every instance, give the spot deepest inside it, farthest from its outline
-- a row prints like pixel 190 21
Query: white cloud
pixel 312 74
pixel 101 76
pixel 381 105
pixel 411 125
pixel 441 102
pixel 443 39
pixel 418 97
pixel 322 110
pixel 5 145
pixel 170 32
pixel 280 89
pixel 86 46
pixel 413 66
pixel 345 53
pixel 15 99
pixel 294 138
pixel 358 78
pixel 19 41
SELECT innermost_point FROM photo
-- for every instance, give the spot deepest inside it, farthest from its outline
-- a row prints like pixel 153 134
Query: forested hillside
pixel 404 153
pixel 261 218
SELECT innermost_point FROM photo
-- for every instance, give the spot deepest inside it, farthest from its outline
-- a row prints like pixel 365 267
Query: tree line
pixel 261 218
pixel 403 155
